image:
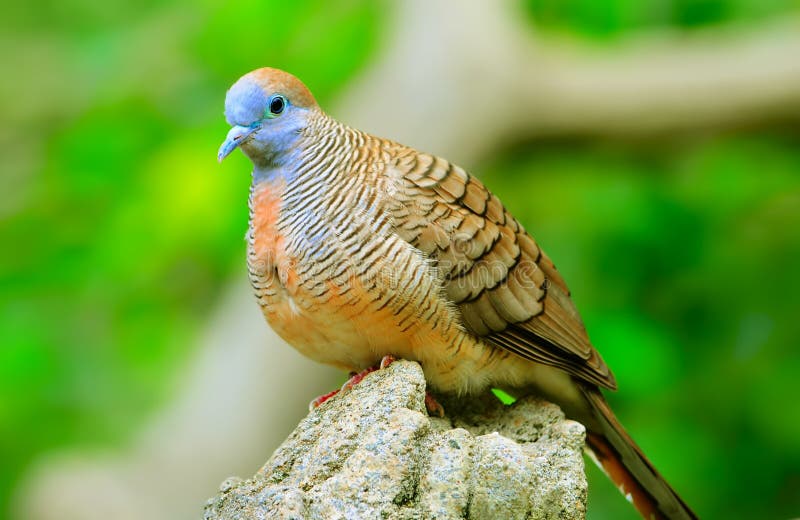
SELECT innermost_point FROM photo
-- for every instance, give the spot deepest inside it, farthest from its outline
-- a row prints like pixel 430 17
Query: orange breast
pixel 273 272
pixel 271 259
pixel 266 204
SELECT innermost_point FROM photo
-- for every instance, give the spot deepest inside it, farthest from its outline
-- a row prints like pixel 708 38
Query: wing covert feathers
pixel 506 288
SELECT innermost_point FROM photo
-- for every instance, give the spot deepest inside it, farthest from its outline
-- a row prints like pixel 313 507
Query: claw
pixel 357 377
pixel 386 361
pixel 433 406
pixel 317 402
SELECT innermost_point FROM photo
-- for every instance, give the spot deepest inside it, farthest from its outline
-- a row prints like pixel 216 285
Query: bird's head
pixel 268 109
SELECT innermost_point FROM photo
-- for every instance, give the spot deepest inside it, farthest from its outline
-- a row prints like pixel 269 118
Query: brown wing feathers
pixel 506 288
pixel 509 292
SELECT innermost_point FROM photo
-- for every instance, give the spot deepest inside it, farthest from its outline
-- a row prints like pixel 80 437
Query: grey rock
pixel 373 452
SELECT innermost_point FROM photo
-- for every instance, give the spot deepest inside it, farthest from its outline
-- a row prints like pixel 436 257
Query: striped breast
pixel 335 280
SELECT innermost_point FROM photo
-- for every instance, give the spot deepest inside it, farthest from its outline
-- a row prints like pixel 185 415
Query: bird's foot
pixel 355 378
pixel 386 361
pixel 431 404
pixel 317 401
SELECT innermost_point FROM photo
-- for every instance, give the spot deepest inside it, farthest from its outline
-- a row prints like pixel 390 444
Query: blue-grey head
pixel 268 110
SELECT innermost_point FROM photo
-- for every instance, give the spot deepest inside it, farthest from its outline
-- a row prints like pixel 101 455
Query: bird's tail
pixel 621 459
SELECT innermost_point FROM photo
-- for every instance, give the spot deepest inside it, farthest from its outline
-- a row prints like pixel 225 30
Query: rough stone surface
pixel 373 452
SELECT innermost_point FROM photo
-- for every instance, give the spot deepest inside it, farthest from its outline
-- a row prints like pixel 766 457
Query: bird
pixel 361 249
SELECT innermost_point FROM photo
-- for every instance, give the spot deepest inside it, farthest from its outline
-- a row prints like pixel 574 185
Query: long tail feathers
pixel 621 459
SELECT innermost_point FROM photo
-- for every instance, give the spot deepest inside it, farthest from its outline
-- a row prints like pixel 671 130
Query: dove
pixel 360 249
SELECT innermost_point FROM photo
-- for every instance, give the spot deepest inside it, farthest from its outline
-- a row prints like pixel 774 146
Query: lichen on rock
pixel 373 452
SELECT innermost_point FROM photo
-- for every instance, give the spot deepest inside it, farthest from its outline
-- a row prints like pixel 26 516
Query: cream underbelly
pixel 344 335
pixel 321 336
pixel 456 362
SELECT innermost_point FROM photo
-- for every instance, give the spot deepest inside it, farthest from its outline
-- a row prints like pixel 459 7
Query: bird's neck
pixel 320 153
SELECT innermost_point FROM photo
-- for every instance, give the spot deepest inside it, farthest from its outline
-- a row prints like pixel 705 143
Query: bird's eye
pixel 277 105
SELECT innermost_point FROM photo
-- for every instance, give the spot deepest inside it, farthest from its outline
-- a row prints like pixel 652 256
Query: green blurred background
pixel 120 232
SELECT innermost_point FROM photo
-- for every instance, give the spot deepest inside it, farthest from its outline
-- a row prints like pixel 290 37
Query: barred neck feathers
pixel 321 152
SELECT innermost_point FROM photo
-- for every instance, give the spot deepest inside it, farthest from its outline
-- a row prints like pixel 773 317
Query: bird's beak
pixel 235 137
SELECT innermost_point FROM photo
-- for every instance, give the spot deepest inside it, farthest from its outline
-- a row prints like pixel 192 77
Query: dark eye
pixel 276 105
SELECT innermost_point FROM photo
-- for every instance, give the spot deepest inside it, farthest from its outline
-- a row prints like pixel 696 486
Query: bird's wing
pixel 507 290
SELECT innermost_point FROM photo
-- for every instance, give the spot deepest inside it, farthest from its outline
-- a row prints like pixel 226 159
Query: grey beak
pixel 235 137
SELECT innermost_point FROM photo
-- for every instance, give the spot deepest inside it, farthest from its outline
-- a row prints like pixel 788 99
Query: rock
pixel 373 452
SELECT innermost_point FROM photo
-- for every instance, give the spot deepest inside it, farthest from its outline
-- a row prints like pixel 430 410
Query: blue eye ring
pixel 276 106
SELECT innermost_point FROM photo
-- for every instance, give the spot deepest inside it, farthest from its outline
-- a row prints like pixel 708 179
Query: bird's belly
pixel 323 328
pixel 343 327
pixel 323 319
